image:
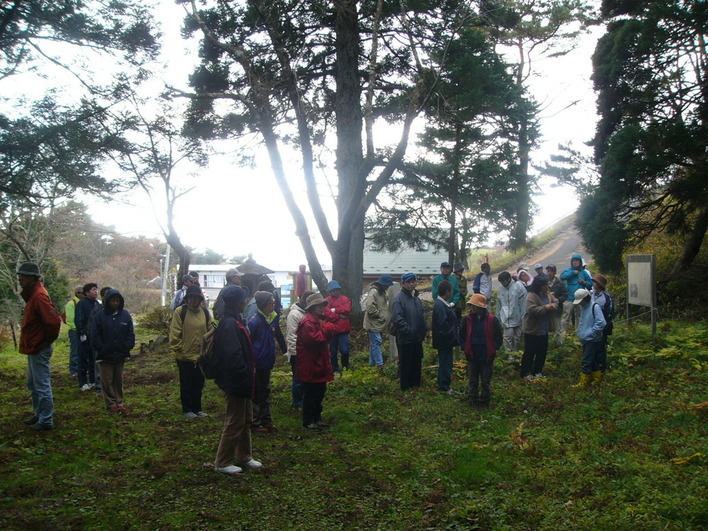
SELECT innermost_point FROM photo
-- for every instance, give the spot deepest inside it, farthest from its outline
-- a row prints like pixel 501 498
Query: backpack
pixel 209 363
pixel 183 313
pixel 608 312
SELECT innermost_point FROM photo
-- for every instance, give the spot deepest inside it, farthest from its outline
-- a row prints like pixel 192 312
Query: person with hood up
pixel 410 328
pixel 575 277
pixel 338 309
pixel 590 329
pixel 40 328
pixel 314 366
pixel 480 337
pixel 377 316
pixel 233 349
pixel 261 328
pixel 112 337
pixel 190 322
pixel 295 315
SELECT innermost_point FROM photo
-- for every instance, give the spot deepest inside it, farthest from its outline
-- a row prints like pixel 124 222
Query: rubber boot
pixel 584 381
pixel 596 377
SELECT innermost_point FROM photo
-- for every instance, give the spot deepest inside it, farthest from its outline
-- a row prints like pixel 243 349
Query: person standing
pixel 40 328
pixel 377 316
pixel 233 278
pixel 575 277
pixel 511 308
pixel 112 337
pixel 480 337
pixel 483 281
pixel 82 319
pixel 540 306
pixel 314 365
pixel 602 298
pixel 408 322
pixel 295 315
pixel 459 273
pixel 446 274
pixel 232 347
pixel 444 328
pixel 69 317
pixel 338 310
pixel 590 328
pixel 560 292
pixel 178 298
pixel 301 281
pixel 189 324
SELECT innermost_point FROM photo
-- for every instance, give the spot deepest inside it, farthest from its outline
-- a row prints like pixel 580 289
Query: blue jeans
pixel 375 354
pixel 444 368
pixel 73 352
pixel 39 383
pixel 591 351
pixel 339 343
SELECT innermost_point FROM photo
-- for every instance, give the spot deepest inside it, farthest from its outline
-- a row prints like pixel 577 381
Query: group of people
pixel 316 342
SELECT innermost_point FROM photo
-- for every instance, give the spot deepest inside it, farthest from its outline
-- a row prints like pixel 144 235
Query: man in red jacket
pixel 314 368
pixel 337 312
pixel 40 327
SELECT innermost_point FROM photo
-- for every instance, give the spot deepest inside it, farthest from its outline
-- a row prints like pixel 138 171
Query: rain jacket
pixel 313 362
pixel 112 334
pixel 337 312
pixel 408 318
pixel 444 325
pixel 572 278
pixel 232 346
pixel 261 328
pixel 511 304
pixel 295 315
pixel 377 314
pixel 186 336
pixel 592 323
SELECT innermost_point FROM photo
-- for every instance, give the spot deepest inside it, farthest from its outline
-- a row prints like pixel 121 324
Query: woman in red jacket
pixel 337 313
pixel 314 368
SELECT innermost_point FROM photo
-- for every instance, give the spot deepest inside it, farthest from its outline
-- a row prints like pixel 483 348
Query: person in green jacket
pixel 68 317
pixel 190 322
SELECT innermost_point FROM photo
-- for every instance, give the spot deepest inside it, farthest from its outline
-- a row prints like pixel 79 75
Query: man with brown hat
pixel 480 337
pixel 40 327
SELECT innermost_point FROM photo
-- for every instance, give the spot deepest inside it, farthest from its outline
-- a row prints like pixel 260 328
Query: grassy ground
pixel 544 456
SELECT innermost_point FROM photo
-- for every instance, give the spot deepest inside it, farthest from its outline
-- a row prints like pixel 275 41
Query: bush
pixel 158 320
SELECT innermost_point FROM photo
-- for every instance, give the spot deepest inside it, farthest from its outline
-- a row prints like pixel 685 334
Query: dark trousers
pixel 410 359
pixel 87 364
pixel 313 395
pixel 296 385
pixel 534 358
pixel 476 371
pixel 444 368
pixel 261 402
pixel 602 353
pixel 590 357
pixel 339 343
pixel 191 383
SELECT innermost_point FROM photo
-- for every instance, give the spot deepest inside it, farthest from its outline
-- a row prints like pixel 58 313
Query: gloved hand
pixel 83 338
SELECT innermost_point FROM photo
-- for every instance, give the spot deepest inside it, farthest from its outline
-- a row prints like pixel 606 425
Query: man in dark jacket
pixel 82 319
pixel 112 338
pixel 232 347
pixel 408 322
pixel 444 334
pixel 40 327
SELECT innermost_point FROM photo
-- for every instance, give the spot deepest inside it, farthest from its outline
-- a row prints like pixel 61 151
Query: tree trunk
pixel 693 243
pixel 523 187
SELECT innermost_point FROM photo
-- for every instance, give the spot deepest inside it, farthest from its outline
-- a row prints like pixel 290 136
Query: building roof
pixel 420 262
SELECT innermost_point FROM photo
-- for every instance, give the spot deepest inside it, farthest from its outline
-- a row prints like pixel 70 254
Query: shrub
pixel 158 320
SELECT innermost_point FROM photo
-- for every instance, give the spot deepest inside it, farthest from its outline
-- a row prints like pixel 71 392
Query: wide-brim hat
pixel 601 280
pixel 315 299
pixel 385 280
pixel 30 269
pixel 580 294
pixel 478 300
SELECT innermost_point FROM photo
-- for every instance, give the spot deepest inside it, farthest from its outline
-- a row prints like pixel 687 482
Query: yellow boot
pixel 584 381
pixel 596 377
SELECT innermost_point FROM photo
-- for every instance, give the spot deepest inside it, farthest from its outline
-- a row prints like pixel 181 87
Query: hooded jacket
pixel 337 312
pixel 377 314
pixel 511 304
pixel 592 323
pixel 408 318
pixel 112 333
pixel 572 277
pixel 186 336
pixel 41 321
pixel 313 361
pixel 232 345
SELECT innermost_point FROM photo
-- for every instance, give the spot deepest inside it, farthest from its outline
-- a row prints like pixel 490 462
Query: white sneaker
pixel 190 415
pixel 201 414
pixel 86 387
pixel 529 378
pixel 253 464
pixel 540 376
pixel 231 469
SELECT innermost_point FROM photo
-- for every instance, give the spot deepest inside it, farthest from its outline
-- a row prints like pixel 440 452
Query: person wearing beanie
pixel 261 328
pixel 295 315
pixel 232 347
pixel 590 329
pixel 68 317
pixel 314 366
pixel 377 316
pixel 410 328
pixel 338 309
pixel 189 323
pixel 40 328
pixel 112 337
pixel 480 337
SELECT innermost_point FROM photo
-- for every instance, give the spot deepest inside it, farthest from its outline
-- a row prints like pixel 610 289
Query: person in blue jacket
pixel 444 334
pixel 590 329
pixel 112 338
pixel 575 277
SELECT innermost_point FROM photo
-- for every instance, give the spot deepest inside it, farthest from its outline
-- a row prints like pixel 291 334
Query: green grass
pixel 544 456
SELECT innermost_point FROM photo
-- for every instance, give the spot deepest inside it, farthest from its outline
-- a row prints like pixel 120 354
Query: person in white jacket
pixel 295 315
pixel 511 308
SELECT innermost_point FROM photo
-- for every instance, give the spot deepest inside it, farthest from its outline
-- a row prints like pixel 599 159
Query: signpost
pixel 641 284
